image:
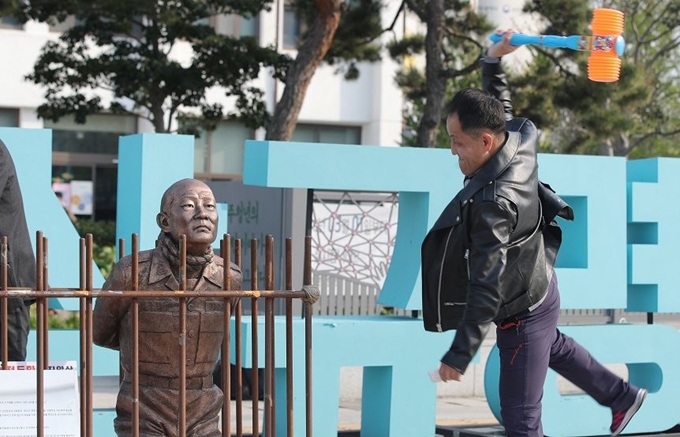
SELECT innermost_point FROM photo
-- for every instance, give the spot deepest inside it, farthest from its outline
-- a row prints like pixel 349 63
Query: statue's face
pixel 191 210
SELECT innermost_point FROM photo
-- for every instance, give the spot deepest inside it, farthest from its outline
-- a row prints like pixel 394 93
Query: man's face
pixel 471 149
pixel 191 211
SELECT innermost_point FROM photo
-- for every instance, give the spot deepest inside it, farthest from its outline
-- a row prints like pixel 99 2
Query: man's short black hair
pixel 476 110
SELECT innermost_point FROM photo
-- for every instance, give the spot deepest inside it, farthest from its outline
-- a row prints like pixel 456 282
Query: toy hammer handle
pixel 573 42
pixel 559 42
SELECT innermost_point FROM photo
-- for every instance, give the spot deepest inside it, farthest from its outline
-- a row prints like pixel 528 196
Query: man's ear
pixel 163 222
pixel 488 140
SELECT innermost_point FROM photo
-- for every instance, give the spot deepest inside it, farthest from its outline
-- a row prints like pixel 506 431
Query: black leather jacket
pixel 491 252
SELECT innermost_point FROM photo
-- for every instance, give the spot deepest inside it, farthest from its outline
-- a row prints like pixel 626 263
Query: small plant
pixel 57 319
pixel 104 257
pixel 104 239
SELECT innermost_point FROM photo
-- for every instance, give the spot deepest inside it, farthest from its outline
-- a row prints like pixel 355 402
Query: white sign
pixel 81 197
pixel 18 400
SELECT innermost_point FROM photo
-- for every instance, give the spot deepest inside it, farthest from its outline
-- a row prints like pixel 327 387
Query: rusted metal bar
pixel 45 286
pixel 238 351
pixel 269 413
pixel 89 263
pixel 307 280
pixel 86 293
pixel 225 252
pixel 135 340
pixel 40 320
pixel 4 305
pixel 289 339
pixel 254 381
pixel 183 337
pixel 121 254
pixel 84 369
pixel 97 293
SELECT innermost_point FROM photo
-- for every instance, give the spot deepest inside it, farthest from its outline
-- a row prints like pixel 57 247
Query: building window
pixel 9 117
pixel 86 154
pixel 10 22
pixel 292 27
pixel 65 25
pixel 310 133
pixel 99 135
pixel 235 25
pixel 220 152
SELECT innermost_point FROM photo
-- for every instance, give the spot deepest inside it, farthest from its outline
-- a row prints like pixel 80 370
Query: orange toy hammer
pixel 606 45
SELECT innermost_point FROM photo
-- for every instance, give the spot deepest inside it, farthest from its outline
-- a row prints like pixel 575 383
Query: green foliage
pixel 636 116
pixel 104 257
pixel 8 7
pixel 124 47
pixel 103 231
pixel 356 37
pixel 57 319
pixel 104 242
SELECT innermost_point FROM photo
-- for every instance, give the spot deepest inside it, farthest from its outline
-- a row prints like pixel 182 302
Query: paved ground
pixel 451 411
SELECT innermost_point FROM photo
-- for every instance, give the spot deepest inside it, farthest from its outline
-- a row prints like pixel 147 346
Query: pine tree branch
pixel 449 73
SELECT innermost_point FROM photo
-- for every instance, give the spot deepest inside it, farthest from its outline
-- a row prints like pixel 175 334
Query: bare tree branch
pixel 414 8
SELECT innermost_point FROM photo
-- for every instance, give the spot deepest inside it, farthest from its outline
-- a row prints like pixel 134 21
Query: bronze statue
pixel 188 207
pixel 20 259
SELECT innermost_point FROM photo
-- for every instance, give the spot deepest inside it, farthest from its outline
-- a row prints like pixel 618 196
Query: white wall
pixel 19 50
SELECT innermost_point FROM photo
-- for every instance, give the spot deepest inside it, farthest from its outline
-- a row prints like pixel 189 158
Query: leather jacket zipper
pixel 439 287
pixel 467 262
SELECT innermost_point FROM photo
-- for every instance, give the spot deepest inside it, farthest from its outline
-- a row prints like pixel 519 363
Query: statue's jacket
pixel 159 318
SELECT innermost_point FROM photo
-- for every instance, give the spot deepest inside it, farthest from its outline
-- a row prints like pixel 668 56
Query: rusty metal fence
pixel 86 293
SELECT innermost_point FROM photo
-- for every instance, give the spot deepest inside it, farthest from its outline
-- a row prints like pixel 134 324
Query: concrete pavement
pixel 451 411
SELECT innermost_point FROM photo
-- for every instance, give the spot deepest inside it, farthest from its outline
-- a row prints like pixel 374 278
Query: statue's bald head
pixel 175 192
pixel 188 208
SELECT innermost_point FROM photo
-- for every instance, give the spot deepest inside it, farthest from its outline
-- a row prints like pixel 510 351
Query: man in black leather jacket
pixel 489 258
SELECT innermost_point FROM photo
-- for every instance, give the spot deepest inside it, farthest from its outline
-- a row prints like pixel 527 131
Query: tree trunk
pixel 622 145
pixel 157 114
pixel 300 74
pixel 432 113
pixel 616 146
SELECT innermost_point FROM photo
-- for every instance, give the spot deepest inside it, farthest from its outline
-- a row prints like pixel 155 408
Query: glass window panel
pixel 226 147
pixel 327 134
pixel 201 154
pixel 225 25
pixel 339 135
pixel 97 123
pixel 85 142
pixel 248 26
pixel 67 173
pixel 105 193
pixel 9 117
pixel 10 21
pixel 99 135
pixel 304 133
pixel 291 28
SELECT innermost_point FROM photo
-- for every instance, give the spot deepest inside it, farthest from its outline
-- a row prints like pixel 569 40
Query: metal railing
pixel 86 293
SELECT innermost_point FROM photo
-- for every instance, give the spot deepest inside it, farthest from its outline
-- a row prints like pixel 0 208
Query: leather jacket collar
pixel 451 216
